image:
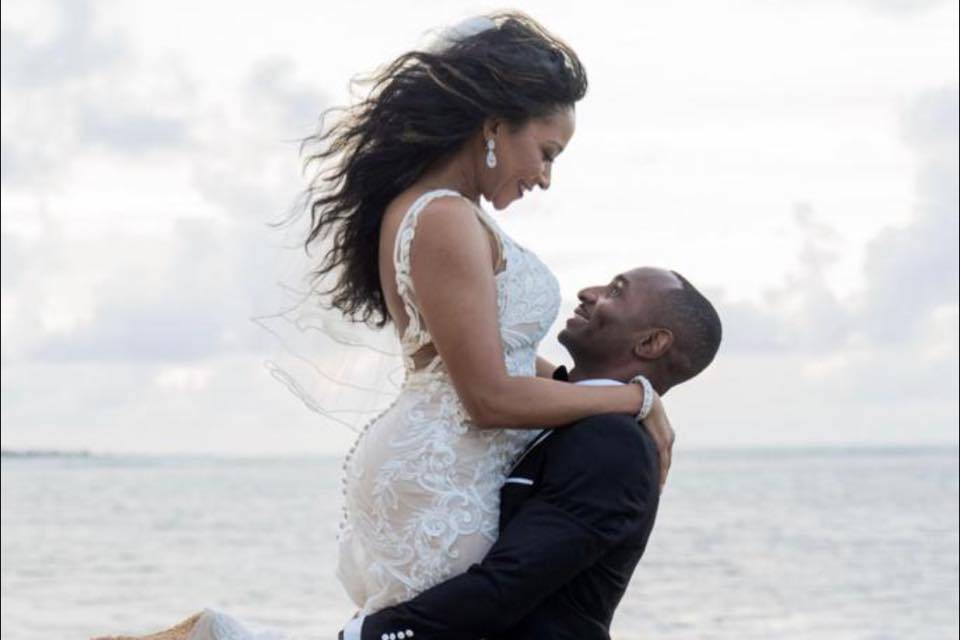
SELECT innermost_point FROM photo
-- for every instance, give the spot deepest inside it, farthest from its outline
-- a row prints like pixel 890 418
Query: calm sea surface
pixel 772 544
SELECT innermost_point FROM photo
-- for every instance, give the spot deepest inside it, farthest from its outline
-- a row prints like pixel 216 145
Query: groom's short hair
pixel 696 329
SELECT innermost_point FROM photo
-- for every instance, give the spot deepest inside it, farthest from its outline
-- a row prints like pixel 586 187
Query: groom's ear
pixel 650 344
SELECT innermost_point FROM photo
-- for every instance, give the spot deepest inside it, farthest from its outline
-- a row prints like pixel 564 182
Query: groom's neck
pixel 592 371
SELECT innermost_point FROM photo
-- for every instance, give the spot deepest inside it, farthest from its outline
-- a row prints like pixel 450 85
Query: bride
pixel 484 113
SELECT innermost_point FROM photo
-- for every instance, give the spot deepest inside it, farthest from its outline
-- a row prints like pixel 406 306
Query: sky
pixel 796 161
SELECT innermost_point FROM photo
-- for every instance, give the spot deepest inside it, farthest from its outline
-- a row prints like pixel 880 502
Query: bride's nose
pixel 544 178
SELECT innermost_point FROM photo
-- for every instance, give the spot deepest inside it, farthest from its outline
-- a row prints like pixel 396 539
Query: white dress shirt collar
pixel 599 382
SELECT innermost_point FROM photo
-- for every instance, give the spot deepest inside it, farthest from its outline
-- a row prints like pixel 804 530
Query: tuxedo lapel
pixel 540 438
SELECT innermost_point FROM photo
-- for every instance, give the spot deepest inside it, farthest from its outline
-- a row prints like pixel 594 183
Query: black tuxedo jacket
pixel 575 515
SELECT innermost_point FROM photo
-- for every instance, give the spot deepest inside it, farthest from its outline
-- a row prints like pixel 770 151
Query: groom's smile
pixel 580 314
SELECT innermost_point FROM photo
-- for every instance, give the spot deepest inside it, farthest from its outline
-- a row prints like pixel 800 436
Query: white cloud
pixel 131 132
pixel 879 366
pixel 910 271
pixel 74 49
pixel 184 378
pixel 913 268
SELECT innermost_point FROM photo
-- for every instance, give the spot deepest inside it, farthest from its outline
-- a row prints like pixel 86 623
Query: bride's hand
pixel 663 435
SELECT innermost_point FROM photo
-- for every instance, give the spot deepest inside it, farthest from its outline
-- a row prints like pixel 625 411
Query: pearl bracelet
pixel 647 395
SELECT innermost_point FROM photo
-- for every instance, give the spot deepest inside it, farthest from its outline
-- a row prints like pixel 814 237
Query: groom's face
pixel 610 317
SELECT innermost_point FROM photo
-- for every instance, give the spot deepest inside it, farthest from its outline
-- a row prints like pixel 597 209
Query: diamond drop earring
pixel 491 157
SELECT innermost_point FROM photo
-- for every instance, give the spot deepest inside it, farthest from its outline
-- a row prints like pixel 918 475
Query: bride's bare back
pixel 450 236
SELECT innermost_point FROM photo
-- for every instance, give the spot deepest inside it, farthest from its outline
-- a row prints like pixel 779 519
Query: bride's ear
pixel 491 127
pixel 651 344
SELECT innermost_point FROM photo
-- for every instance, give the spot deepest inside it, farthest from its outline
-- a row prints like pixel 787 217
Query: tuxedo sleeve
pixel 595 487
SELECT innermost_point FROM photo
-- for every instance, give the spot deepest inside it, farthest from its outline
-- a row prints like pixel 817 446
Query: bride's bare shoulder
pixel 405 200
pixel 448 215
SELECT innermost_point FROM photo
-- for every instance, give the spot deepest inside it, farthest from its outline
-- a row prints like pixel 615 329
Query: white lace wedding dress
pixel 421 484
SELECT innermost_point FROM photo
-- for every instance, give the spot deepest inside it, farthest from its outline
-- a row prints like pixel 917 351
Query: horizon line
pixel 852 447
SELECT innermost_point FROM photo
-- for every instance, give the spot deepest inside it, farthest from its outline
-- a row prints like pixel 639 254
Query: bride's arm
pixel 545 368
pixel 454 283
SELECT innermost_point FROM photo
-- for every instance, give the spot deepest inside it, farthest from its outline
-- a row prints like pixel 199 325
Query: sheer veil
pixel 344 371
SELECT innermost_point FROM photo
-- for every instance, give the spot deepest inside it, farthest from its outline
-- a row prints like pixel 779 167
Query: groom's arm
pixel 597 485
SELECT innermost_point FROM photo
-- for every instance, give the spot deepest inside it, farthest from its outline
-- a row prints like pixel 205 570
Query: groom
pixel 579 504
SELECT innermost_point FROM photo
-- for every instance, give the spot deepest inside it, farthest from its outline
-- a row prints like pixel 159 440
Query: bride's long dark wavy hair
pixel 422 107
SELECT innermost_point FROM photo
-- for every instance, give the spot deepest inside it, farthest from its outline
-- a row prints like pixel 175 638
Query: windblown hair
pixel 421 108
pixel 696 329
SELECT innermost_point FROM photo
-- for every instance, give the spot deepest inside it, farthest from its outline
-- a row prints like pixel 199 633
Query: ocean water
pixel 750 544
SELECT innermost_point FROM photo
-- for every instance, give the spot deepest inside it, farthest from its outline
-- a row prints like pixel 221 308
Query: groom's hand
pixel 658 425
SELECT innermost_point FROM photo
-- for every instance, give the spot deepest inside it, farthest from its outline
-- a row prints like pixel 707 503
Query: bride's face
pixel 525 156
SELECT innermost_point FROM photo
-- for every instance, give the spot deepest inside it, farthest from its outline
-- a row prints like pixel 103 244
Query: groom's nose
pixel 588 295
